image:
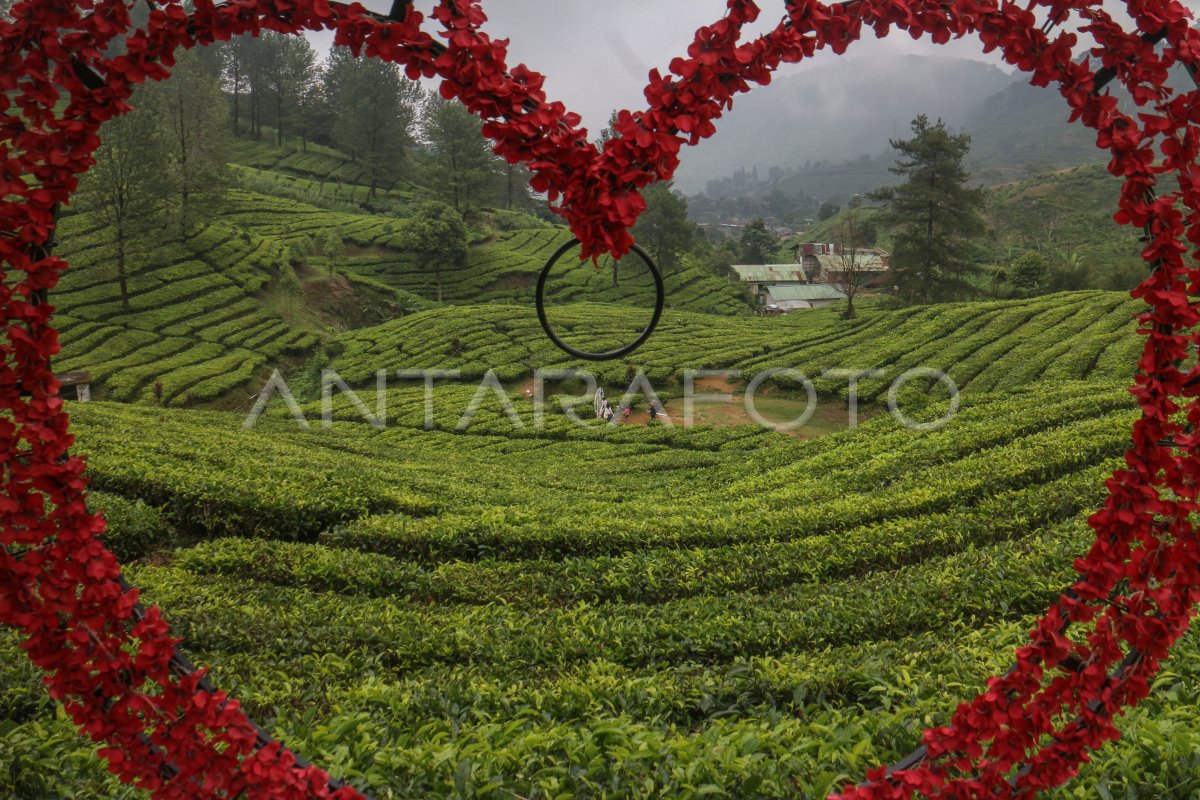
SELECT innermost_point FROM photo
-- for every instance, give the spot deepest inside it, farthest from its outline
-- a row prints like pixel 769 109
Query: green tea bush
pixel 135 529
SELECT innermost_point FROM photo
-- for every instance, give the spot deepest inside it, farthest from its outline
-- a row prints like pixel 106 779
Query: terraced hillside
pixel 506 270
pixel 982 346
pixel 500 270
pixel 313 166
pixel 734 615
pixel 198 322
pixel 195 322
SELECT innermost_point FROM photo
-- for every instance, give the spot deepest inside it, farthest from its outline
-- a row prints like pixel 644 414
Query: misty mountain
pixel 839 112
pixel 825 133
pixel 1025 128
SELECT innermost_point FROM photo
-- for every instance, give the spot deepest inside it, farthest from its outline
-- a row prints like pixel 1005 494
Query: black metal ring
pixel 612 354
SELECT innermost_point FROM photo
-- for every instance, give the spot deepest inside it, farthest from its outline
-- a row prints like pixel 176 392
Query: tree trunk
pixel 927 284
pixel 615 265
pixel 279 116
pixel 256 116
pixel 122 280
pixel 184 176
pixel 510 194
pixel 237 83
pixel 184 213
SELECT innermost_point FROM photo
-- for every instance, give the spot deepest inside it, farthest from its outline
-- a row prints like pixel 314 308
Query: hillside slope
pixel 208 316
pixel 196 321
pixel 1069 210
pixel 982 346
pixel 396 603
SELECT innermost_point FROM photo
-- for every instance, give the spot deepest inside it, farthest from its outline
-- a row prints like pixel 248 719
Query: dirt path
pixel 829 416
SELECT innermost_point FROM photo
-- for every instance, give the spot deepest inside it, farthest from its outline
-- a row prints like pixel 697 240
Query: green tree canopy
pixel 127 184
pixel 289 75
pixel 1029 272
pixel 438 236
pixel 467 169
pixel 373 107
pixel 934 214
pixel 664 229
pixel 192 111
pixel 758 243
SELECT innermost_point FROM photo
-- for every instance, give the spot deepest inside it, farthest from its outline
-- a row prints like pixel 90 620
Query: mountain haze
pixel 826 132
pixel 839 112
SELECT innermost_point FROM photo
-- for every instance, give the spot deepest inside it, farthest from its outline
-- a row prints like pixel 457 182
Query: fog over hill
pixel 843 112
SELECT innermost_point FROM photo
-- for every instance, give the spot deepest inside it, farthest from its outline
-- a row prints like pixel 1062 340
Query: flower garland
pixel 1092 655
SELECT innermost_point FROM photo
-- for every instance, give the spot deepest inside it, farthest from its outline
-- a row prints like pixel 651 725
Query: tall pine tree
pixel 126 186
pixel 468 170
pixel 374 108
pixel 934 214
pixel 194 116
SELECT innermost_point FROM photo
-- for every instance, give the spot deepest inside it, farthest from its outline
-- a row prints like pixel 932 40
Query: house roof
pixel 816 291
pixel 863 262
pixel 770 273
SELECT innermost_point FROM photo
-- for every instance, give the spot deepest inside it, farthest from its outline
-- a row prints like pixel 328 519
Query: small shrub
pixel 134 528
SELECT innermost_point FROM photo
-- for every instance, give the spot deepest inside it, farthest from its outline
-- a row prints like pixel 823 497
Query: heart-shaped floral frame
pixel 113 664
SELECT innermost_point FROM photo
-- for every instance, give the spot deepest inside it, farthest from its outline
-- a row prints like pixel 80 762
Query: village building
pixel 760 277
pixel 799 298
pixel 814 278
pixel 82 381
pixel 829 262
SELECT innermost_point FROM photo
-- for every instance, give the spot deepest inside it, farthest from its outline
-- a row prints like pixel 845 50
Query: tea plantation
pixel 507 603
pixel 195 322
pixel 982 346
pixel 621 612
pixel 208 315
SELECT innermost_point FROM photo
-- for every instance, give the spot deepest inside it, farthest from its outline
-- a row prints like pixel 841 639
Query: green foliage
pixel 303 247
pixel 1067 214
pixel 1029 272
pixel 334 249
pixel 134 529
pixel 45 758
pixel 757 242
pixel 576 611
pixel 373 107
pixel 195 123
pixel 467 170
pixel 746 617
pixel 290 288
pixel 438 237
pixel 126 186
pixel 194 323
pixel 933 214
pixel 980 345
pixel 663 229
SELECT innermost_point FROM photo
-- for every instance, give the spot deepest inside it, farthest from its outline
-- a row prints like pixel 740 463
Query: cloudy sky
pixel 596 53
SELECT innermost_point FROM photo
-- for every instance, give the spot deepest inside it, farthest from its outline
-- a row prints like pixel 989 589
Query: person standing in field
pixel 653 411
pixel 625 412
